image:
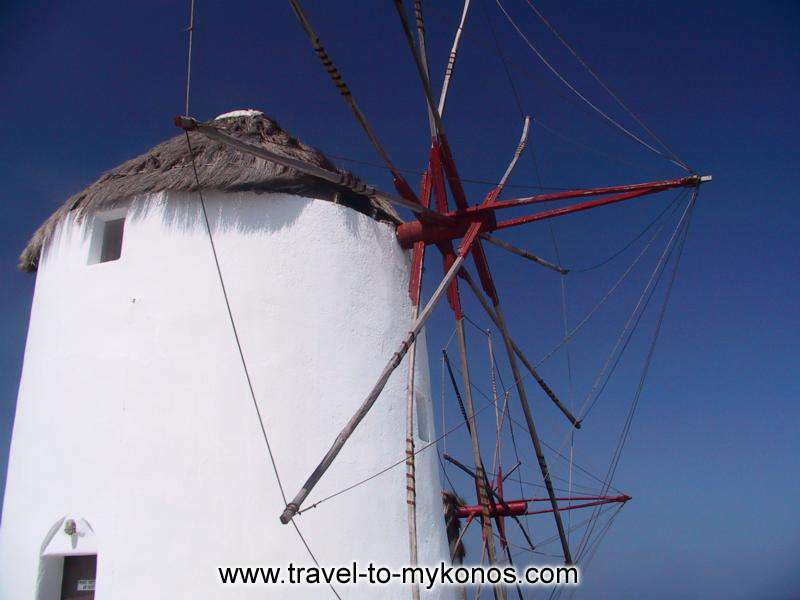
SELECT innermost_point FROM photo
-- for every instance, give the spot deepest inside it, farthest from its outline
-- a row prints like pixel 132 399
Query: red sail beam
pixel 650 186
pixel 614 500
pixel 566 210
pixel 408 233
pixel 517 508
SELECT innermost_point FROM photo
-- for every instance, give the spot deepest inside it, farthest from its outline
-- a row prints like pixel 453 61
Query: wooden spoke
pixel 451 61
pixel 411 479
pixel 523 253
pixel 523 140
pixel 537 445
pixel 542 383
pixel 292 508
pixel 481 481
pixel 421 68
pixel 418 16
pixel 347 181
pixel 344 90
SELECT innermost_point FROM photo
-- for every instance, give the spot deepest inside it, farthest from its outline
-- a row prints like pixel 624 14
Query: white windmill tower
pixel 138 438
pixel 207 317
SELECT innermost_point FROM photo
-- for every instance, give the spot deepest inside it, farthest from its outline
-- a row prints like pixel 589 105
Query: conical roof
pixel 168 167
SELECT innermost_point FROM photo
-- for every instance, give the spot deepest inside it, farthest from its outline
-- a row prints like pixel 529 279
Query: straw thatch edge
pixel 168 167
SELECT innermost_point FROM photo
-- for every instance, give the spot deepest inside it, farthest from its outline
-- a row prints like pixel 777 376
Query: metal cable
pixel 606 296
pixel 227 300
pixel 190 29
pixel 594 107
pixel 604 85
pixel 645 370
pixel 635 239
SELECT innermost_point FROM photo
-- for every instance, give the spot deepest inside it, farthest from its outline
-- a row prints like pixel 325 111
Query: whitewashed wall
pixel 134 415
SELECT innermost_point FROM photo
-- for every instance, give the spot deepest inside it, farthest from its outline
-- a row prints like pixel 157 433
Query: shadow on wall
pixel 243 212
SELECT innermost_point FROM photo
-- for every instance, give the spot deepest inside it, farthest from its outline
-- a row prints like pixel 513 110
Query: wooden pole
pixel 424 54
pixel 340 84
pixel 542 383
pixel 291 509
pixel 411 480
pixel 537 445
pixel 411 493
pixel 345 180
pixel 494 494
pixel 451 61
pixel 421 68
pixel 480 478
pixel 523 253
pixel 523 141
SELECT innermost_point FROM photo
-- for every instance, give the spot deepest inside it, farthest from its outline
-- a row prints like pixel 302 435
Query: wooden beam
pixel 542 383
pixel 451 61
pixel 291 509
pixel 537 445
pixel 340 84
pixel 421 68
pixel 523 141
pixel 347 181
pixel 481 481
pixel 523 253
pixel 494 494
pixel 411 478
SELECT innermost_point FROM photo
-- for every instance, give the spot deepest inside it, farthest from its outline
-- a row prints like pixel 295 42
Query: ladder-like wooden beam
pixel 291 509
pixel 531 369
pixel 451 60
pixel 523 253
pixel 344 180
pixel 537 444
pixel 481 481
pixel 336 77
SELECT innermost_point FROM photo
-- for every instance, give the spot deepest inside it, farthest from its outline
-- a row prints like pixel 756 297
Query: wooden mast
pixel 415 290
pixel 537 445
pixel 291 509
pixel 531 369
pixel 439 141
pixel 472 223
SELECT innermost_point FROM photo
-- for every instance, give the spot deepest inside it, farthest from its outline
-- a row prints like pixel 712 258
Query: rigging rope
pixel 641 305
pixel 605 86
pixel 547 84
pixel 638 236
pixel 594 107
pixel 399 462
pixel 554 538
pixel 633 320
pixel 606 296
pixel 227 300
pixel 241 354
pixel 645 370
pixel 558 590
pixel 483 394
pixel 570 394
pixel 190 29
pixel 468 420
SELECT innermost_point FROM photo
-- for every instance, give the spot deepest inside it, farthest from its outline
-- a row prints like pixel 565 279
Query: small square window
pixel 111 248
pixel 106 243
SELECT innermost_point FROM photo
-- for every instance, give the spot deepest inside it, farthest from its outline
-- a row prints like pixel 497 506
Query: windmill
pixel 438 224
pixel 156 383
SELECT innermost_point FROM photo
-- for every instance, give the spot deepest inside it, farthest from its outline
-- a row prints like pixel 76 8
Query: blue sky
pixel 713 454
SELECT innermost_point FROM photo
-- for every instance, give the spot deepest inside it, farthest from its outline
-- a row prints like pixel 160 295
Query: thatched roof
pixel 167 167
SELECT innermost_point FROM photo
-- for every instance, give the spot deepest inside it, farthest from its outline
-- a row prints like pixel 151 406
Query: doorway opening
pixel 77 581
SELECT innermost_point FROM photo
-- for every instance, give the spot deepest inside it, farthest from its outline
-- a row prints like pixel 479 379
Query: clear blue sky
pixel 712 460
